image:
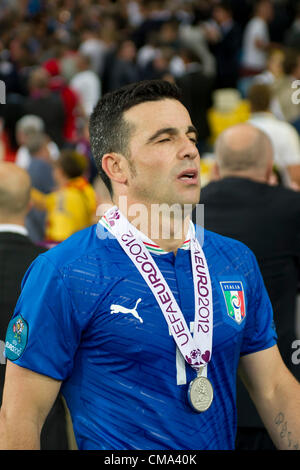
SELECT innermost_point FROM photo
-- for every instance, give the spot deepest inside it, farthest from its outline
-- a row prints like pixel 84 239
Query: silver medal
pixel 200 394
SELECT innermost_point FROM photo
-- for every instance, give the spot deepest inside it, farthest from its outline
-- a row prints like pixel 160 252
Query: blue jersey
pixel 86 317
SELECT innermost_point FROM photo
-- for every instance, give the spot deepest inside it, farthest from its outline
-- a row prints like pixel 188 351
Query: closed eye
pixel 168 139
pixel 170 133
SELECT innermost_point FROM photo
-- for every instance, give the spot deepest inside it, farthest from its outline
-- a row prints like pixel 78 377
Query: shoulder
pixel 226 255
pixel 274 123
pixel 258 24
pixel 215 241
pixel 287 205
pixel 288 128
pixel 34 249
pixel 226 249
pixel 73 267
pixel 212 187
pixel 254 24
pixel 20 242
pixel 287 198
pixel 231 184
pixel 74 249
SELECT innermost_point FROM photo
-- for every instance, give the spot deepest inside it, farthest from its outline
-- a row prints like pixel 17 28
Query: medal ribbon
pixel 129 239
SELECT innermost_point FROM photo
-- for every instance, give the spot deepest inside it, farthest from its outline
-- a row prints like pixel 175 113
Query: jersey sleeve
pixel 43 333
pixel 260 332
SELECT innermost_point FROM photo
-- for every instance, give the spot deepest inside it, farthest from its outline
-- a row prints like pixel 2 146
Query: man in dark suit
pixel 196 94
pixel 242 204
pixel 16 254
pixel 225 43
pixel 45 103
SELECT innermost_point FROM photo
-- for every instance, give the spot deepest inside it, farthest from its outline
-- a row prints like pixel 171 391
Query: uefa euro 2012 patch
pixel 16 338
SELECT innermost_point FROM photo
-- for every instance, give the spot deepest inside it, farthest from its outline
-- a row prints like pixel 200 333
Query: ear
pixel 270 174
pixel 114 165
pixel 30 206
pixel 215 172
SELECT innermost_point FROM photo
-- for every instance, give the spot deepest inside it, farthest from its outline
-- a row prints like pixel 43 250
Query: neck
pixel 167 226
pixel 171 231
pixel 62 181
pixel 248 175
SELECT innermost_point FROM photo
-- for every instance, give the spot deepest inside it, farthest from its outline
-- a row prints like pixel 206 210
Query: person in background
pixel 244 204
pixel 40 170
pixel 25 127
pixel 196 88
pixel 124 69
pixel 93 46
pixel 256 39
pixel 271 76
pixel 225 39
pixel 46 104
pixel 86 84
pixel 284 137
pixel 72 107
pixel 17 252
pixel 72 206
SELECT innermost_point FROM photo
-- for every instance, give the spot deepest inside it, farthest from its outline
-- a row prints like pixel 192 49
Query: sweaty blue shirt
pixel 86 317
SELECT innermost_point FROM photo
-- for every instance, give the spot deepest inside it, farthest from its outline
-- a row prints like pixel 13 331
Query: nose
pixel 188 149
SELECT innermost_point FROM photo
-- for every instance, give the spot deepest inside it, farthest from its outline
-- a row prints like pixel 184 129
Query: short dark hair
pixel 260 96
pixel 72 163
pixel 109 132
pixel 225 5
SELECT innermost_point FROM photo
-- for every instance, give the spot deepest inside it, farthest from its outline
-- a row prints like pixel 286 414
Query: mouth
pixel 189 176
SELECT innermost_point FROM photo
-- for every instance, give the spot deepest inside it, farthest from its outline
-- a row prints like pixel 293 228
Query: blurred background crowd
pixel 58 58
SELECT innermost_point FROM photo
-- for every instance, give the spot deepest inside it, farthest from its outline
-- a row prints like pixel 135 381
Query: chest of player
pixel 128 322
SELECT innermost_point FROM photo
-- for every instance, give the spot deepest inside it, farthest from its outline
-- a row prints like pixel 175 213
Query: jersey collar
pixel 149 244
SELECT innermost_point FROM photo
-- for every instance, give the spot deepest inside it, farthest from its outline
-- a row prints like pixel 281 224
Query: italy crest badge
pixel 235 300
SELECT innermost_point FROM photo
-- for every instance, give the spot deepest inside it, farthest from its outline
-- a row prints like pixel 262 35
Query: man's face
pixel 267 11
pixel 220 15
pixel 164 163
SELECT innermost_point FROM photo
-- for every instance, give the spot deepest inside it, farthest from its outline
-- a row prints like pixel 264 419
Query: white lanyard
pixel 196 350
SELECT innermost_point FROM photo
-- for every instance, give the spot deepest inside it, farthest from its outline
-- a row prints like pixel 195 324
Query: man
pixel 243 205
pixel 284 137
pixel 225 43
pixel 41 174
pixel 116 303
pixel 196 90
pixel 124 69
pixel 25 127
pixel 256 39
pixel 16 254
pixel 46 104
pixel 86 83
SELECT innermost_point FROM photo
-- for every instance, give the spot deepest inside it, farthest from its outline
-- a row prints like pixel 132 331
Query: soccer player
pixel 144 332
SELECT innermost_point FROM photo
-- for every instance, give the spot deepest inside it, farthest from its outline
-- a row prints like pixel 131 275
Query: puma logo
pixel 120 309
